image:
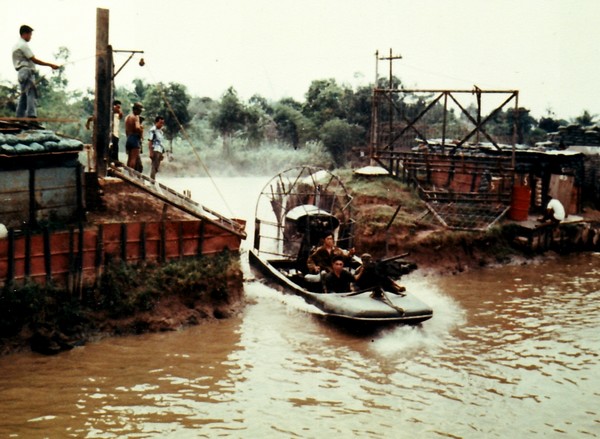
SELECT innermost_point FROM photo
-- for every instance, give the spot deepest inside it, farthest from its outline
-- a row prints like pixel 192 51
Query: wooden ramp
pixel 177 200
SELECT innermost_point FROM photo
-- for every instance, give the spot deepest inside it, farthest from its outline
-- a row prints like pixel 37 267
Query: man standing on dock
pixel 24 62
pixel 155 145
pixel 114 148
pixel 134 131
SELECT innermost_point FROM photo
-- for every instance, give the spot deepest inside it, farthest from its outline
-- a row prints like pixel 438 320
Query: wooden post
pixel 143 241
pixel 201 238
pixel 10 271
pixel 47 255
pixel 79 262
pixel 124 242
pixel 70 279
pixel 180 239
pixel 162 250
pixel 102 103
pixel 27 260
pixel 32 202
pixel 99 260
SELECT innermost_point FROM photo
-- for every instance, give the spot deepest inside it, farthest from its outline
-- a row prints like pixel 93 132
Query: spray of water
pixel 292 304
pixel 430 335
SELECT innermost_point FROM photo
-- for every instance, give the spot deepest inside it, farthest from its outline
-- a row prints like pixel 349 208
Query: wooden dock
pixel 571 234
pixel 77 254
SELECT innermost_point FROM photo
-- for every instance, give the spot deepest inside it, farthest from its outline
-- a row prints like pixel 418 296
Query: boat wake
pixel 257 290
pixel 431 335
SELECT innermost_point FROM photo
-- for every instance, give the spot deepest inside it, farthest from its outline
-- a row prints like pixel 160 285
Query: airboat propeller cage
pixel 308 218
pixel 297 207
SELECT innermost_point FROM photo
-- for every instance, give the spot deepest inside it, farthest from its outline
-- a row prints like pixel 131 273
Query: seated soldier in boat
pixel 339 280
pixel 321 259
pixel 371 275
pixel 367 275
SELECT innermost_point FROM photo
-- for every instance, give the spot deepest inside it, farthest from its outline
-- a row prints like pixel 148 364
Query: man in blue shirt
pixel 156 144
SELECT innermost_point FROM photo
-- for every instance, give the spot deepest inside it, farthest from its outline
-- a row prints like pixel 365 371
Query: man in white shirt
pixel 555 211
pixel 116 127
pixel 24 62
pixel 156 144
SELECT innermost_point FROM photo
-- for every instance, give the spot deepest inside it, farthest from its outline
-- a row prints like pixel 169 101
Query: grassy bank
pixel 127 299
pixel 414 230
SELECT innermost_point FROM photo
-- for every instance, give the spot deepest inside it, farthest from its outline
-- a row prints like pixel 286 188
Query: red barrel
pixel 521 198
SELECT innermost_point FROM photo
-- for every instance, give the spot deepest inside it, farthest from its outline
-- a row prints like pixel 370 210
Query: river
pixel 511 351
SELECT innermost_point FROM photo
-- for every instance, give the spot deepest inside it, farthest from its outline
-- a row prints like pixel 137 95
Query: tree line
pixel 333 115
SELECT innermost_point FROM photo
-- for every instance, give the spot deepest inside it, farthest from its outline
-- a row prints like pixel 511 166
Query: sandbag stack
pixel 35 142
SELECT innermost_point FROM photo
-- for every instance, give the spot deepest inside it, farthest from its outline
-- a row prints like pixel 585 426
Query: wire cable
pixel 190 142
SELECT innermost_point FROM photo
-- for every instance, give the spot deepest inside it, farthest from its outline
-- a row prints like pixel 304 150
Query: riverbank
pixel 146 298
pixel 128 299
pixel 434 248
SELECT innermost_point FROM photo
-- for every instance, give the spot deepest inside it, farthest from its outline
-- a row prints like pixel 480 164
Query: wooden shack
pixel 40 179
pixel 52 235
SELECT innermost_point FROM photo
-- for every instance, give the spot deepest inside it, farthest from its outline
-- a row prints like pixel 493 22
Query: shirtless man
pixel 134 132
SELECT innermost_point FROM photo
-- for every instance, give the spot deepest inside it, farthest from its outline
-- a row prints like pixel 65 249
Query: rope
pixel 78 60
pixel 189 140
pixel 385 299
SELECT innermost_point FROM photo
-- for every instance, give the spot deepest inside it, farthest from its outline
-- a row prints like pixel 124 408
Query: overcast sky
pixel 546 49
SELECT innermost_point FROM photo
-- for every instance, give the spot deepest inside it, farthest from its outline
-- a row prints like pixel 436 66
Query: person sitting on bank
pixel 555 212
pixel 339 280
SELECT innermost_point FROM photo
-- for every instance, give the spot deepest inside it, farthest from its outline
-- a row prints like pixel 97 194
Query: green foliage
pixel 524 122
pixel 292 126
pixel 324 101
pixel 260 102
pixel 373 192
pixel 231 114
pixel 335 114
pixel 383 187
pixel 549 124
pixel 9 96
pixel 586 119
pixel 169 101
pixel 139 91
pixel 34 305
pixel 536 135
pixel 124 289
pixel 358 108
pixel 338 136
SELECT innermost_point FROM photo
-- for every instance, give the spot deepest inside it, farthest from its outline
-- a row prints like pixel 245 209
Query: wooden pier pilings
pixel 575 234
pixel 77 256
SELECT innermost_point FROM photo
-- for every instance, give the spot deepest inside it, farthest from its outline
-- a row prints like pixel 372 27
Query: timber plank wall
pixel 77 256
pixel 41 190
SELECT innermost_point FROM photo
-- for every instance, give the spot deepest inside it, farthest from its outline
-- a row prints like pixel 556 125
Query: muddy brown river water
pixel 512 351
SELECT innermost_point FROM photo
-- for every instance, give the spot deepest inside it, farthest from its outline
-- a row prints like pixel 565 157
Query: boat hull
pixel 352 310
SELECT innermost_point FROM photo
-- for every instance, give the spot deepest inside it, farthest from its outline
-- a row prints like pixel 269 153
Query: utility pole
pixel 103 95
pixel 375 107
pixel 391 58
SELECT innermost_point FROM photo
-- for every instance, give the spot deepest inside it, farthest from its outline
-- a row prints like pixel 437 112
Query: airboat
pixel 294 210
